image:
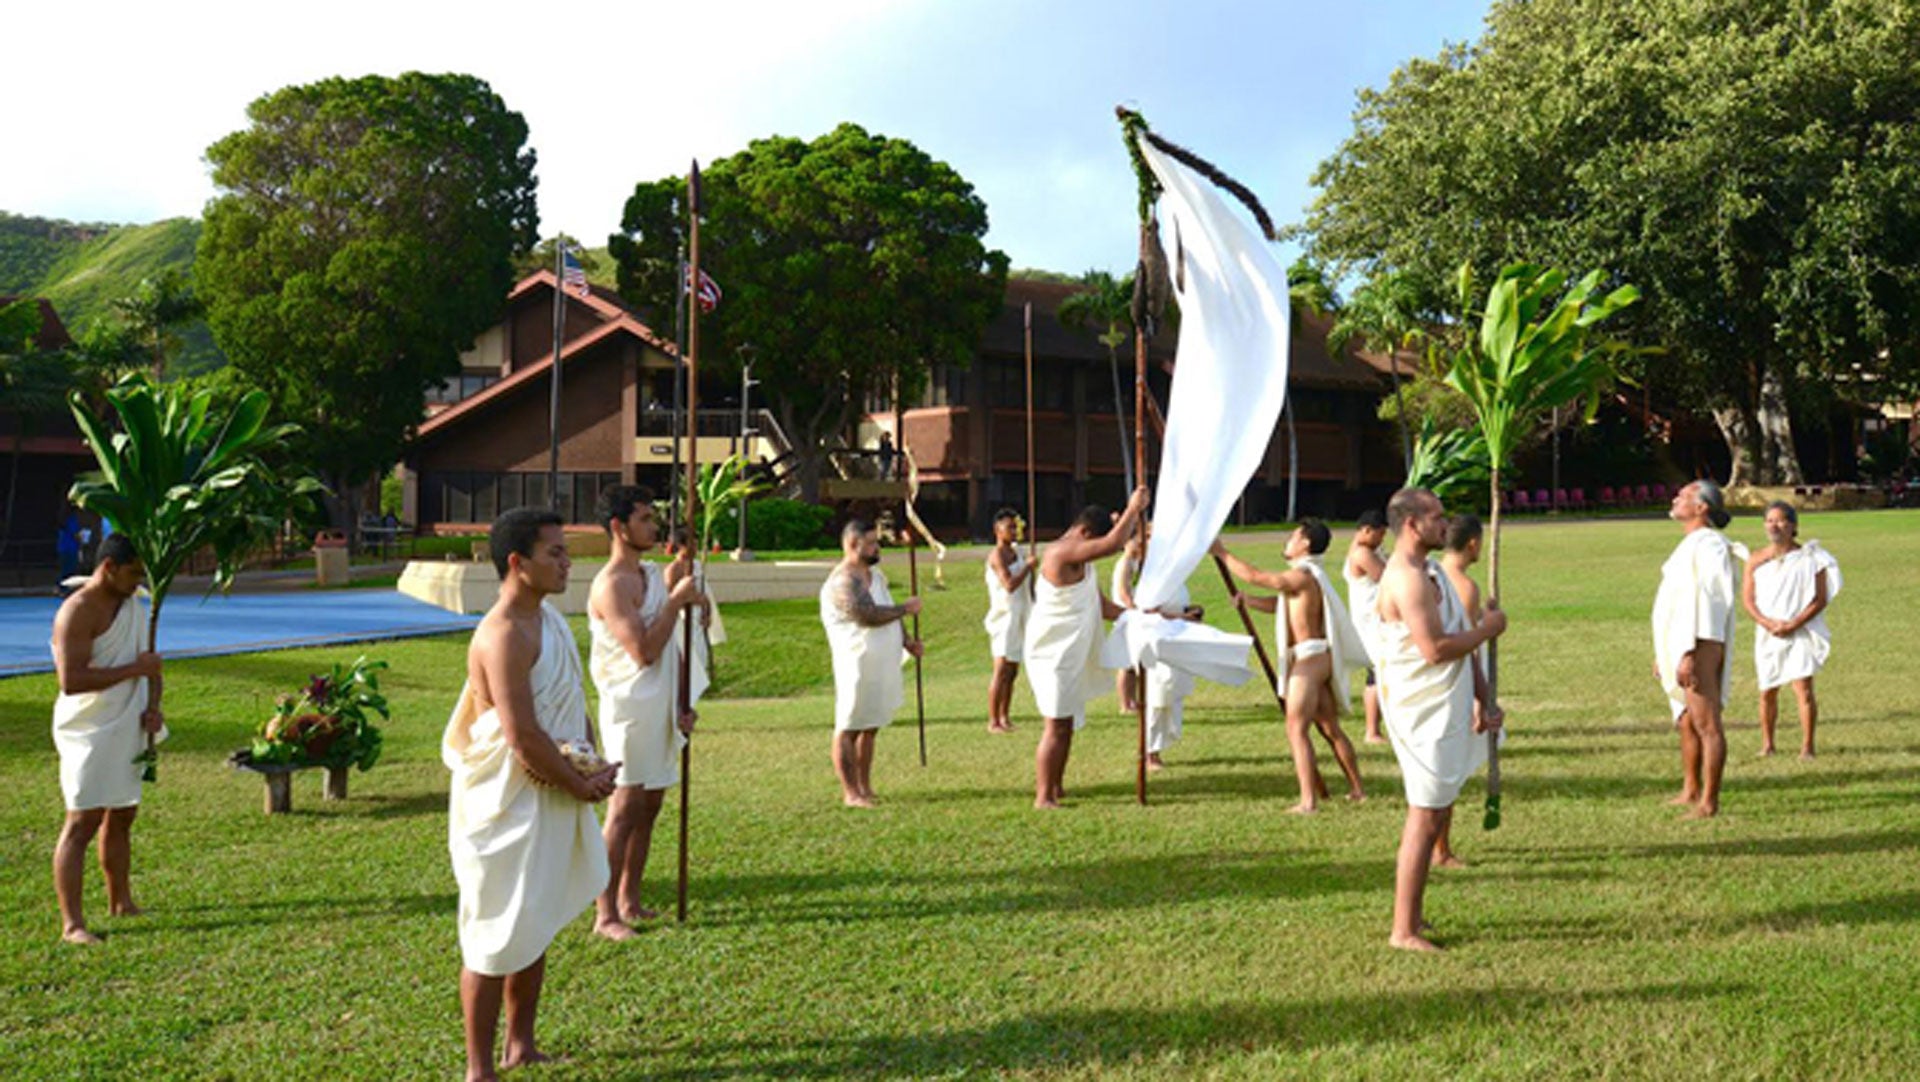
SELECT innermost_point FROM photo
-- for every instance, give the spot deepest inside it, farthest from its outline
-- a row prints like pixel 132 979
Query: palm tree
pixel 1533 355
pixel 1384 316
pixel 153 309
pixel 181 476
pixel 1106 301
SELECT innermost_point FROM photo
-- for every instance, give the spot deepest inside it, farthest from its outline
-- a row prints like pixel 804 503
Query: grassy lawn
pixel 956 933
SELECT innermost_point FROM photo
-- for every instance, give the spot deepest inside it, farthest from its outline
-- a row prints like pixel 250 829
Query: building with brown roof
pixel 968 433
pixel 484 446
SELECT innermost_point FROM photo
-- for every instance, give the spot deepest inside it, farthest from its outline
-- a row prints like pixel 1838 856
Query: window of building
pixel 469 497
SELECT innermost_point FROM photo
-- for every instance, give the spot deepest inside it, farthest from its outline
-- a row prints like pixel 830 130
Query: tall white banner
pixel 1229 383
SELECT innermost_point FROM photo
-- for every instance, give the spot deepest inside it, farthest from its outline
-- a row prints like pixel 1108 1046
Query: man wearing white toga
pixel 527 851
pixel 1786 590
pixel 1693 641
pixel 1362 570
pixel 869 645
pixel 1064 636
pixel 109 701
pixel 1429 684
pixel 1009 595
pixel 635 663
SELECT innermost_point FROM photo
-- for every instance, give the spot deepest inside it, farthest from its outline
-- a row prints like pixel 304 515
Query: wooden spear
pixel 919 686
pixel 1140 531
pixel 1033 512
pixel 693 505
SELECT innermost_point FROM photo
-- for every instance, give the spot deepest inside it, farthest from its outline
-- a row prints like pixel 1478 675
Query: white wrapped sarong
pixel 638 704
pixel 1696 601
pixel 528 858
pixel 1006 621
pixel 1363 603
pixel 97 733
pixel 1167 691
pixel 1782 589
pixel 1428 709
pixel 1063 648
pixel 1342 637
pixel 867 684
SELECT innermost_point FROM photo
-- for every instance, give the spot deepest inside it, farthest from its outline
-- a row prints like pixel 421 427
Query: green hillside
pixel 82 268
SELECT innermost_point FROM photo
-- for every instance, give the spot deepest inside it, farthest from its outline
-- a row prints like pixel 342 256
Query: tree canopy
pixel 848 263
pixel 365 234
pixel 1752 165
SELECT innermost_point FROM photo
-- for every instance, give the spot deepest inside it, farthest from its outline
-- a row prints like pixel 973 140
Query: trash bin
pixel 330 564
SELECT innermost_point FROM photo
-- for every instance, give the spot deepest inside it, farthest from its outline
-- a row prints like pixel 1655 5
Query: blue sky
pixel 119 101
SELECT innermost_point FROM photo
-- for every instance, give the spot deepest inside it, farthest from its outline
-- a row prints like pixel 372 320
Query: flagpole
pixel 553 401
pixel 1140 531
pixel 692 508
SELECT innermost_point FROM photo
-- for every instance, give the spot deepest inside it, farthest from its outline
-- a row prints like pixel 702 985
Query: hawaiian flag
pixel 708 291
pixel 572 274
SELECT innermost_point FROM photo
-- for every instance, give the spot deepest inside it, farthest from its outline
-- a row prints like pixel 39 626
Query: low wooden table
pixel 279 780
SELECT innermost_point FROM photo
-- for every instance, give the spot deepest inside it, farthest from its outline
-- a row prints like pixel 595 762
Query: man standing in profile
pixel 109 702
pixel 1429 685
pixel 527 851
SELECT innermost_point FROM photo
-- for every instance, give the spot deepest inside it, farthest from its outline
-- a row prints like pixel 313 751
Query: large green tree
pixel 1752 165
pixel 365 233
pixel 850 264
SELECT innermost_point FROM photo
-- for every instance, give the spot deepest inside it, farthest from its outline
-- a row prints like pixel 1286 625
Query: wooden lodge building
pixel 484 444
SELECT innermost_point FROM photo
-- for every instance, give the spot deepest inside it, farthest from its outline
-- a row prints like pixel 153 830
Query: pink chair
pixel 1542 500
pixel 1660 493
pixel 1560 501
pixel 1517 499
pixel 1579 499
pixel 1642 495
pixel 1607 496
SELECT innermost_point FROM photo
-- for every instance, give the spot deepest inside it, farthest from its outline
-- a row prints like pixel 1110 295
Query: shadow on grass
pixel 302 910
pixel 1190 1036
pixel 1158 882
pixel 1591 787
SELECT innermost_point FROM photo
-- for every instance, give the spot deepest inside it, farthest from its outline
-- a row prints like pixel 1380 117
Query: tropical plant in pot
pixel 330 723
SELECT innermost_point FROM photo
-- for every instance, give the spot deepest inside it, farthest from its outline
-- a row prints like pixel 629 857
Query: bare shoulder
pixel 616 587
pixel 85 612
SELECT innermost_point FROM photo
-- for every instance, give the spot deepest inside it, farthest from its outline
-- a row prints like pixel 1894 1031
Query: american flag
pixel 708 293
pixel 572 274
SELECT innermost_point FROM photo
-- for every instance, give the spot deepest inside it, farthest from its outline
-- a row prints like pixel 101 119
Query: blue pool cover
pixel 240 623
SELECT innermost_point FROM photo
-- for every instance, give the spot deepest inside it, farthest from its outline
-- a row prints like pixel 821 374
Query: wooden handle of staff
pixel 919 686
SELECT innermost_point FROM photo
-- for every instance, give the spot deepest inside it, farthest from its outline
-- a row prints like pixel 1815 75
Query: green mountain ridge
pixel 82 267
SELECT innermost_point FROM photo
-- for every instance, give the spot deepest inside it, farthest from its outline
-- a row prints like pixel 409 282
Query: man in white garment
pixel 869 645
pixel 1064 636
pixel 109 702
pixel 1317 646
pixel 1167 688
pixel 1362 570
pixel 527 851
pixel 1463 551
pixel 1429 684
pixel 1009 595
pixel 1693 641
pixel 635 662
pixel 1126 573
pixel 1786 589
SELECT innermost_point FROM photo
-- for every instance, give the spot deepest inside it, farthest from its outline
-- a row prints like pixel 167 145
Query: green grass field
pixel 954 932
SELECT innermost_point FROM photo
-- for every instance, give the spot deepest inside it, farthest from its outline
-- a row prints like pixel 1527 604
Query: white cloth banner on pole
pixel 1230 381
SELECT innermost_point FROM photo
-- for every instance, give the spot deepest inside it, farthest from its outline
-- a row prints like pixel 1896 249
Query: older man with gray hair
pixel 1693 639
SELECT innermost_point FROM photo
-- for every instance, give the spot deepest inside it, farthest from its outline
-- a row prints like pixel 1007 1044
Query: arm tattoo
pixel 856 601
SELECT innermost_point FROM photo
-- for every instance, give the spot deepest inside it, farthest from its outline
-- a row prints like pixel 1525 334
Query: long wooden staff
pixel 693 505
pixel 1033 512
pixel 919 686
pixel 1140 531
